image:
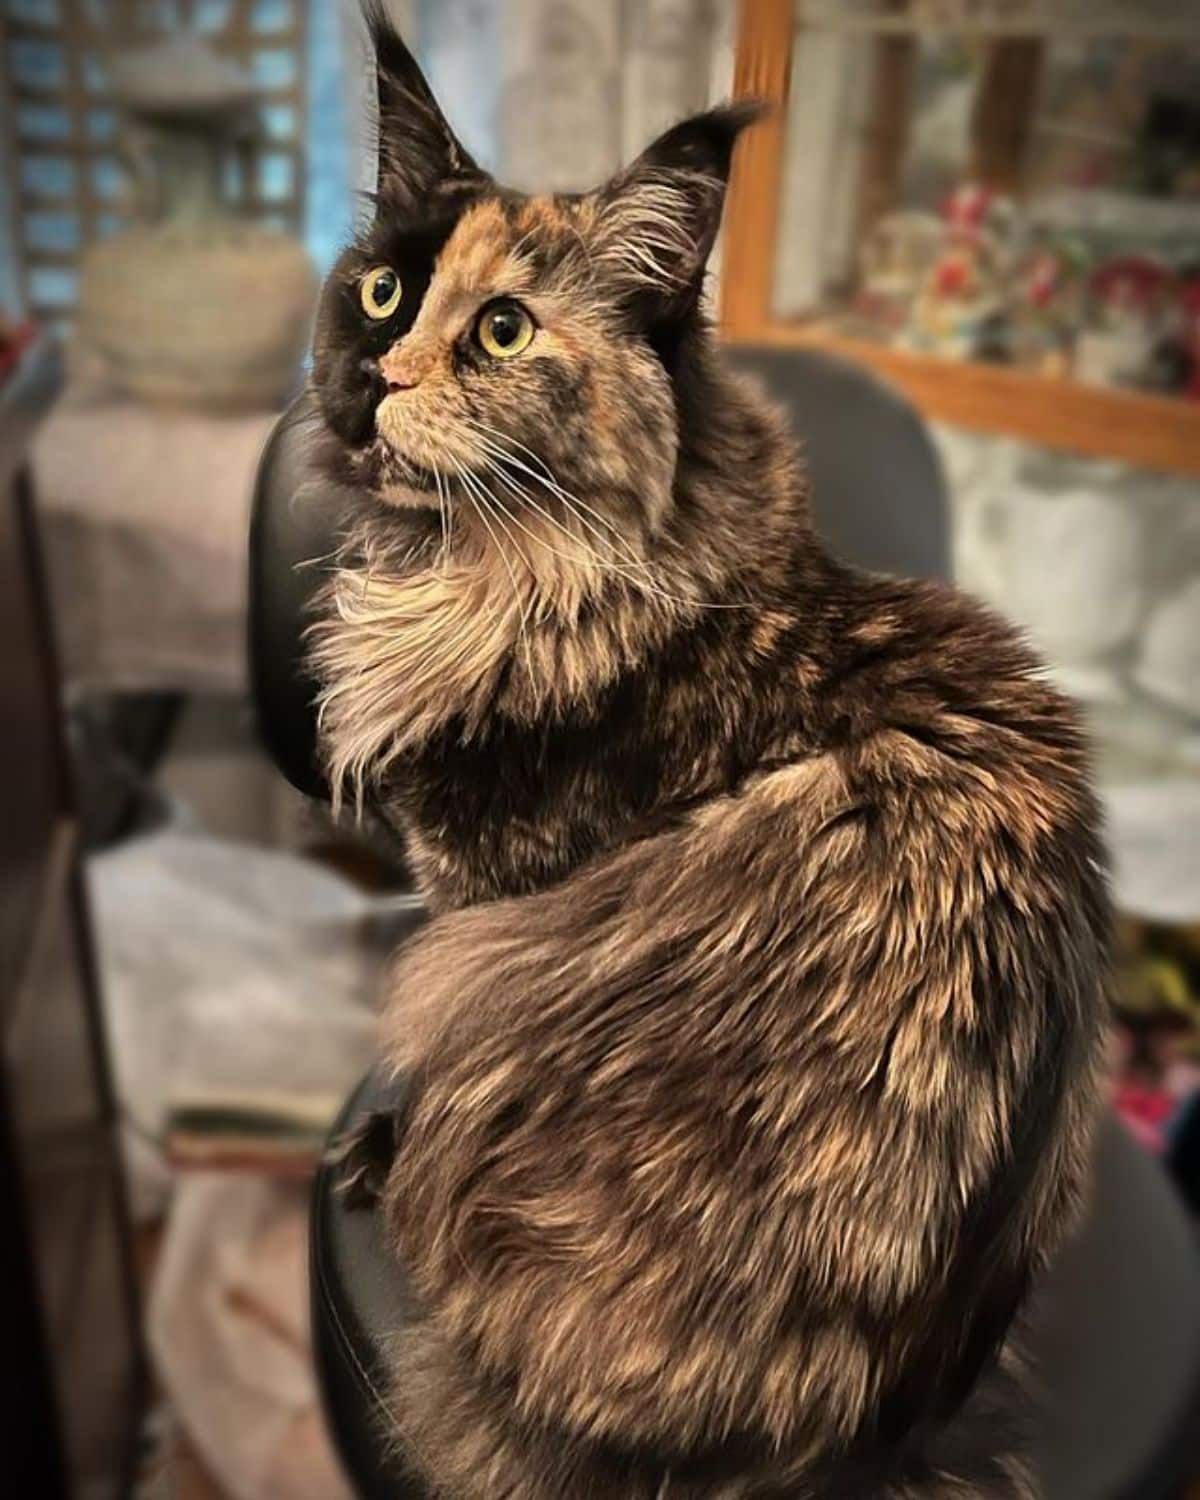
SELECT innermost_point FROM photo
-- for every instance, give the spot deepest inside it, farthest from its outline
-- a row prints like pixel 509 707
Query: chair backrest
pixel 879 500
pixel 293 525
pixel 878 495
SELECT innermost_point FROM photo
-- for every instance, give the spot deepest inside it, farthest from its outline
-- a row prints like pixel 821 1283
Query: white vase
pixel 194 305
pixel 1074 579
pixel 1168 666
pixel 213 313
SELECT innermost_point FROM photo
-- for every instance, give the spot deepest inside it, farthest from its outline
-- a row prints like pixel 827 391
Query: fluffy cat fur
pixel 753 1039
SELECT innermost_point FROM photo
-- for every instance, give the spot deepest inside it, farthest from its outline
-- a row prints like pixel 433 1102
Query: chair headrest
pixel 293 527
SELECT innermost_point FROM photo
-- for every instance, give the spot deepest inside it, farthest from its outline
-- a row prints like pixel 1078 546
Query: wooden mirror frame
pixel 1153 432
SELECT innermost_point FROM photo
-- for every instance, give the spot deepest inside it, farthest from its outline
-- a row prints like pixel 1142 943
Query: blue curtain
pixel 459 45
pixel 329 207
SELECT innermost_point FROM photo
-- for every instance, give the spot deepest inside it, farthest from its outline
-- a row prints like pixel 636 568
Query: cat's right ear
pixel 658 219
pixel 418 153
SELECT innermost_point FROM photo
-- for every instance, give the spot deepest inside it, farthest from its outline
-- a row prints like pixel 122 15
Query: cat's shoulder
pixel 927 688
pixel 892 642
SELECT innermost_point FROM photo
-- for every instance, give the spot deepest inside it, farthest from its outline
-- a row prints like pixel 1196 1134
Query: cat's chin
pixel 404 482
pixel 406 496
pixel 392 478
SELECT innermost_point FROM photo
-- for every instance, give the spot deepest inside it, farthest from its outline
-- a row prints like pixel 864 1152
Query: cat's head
pixel 471 328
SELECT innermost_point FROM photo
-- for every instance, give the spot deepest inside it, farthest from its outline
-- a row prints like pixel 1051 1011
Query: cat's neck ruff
pixel 482 606
pixel 490 617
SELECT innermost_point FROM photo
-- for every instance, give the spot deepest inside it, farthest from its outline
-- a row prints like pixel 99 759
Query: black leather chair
pixel 1116 1324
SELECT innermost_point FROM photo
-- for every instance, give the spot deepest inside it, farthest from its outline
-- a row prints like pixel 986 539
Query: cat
pixel 755 1036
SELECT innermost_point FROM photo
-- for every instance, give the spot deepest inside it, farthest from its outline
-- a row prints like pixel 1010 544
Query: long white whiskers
pixel 478 498
pixel 500 445
pixel 524 497
pixel 494 447
pixel 443 512
pixel 631 573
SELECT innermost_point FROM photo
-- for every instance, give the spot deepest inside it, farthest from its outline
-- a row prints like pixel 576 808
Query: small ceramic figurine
pixel 895 260
pixel 1047 304
pixel 1129 303
pixel 961 307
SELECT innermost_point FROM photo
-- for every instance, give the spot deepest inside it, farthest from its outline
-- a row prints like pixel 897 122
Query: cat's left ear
pixel 418 151
pixel 658 218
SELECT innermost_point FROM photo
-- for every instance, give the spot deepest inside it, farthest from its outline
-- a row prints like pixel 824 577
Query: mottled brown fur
pixel 754 1039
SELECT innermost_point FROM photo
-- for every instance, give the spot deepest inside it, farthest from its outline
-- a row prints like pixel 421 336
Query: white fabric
pixel 228 1327
pixel 145 516
pixel 1153 830
pixel 582 85
pixel 229 968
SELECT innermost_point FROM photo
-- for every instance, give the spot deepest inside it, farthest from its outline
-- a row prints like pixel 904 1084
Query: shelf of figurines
pixel 1149 431
pixel 1066 20
pixel 1073 324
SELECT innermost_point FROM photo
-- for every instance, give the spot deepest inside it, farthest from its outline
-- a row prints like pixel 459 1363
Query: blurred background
pixel 991 205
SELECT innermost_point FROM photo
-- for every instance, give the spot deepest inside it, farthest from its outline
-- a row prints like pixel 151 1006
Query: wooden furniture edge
pixel 762 65
pixel 1148 431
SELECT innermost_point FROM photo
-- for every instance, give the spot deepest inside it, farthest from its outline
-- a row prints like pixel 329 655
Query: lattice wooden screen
pixel 69 186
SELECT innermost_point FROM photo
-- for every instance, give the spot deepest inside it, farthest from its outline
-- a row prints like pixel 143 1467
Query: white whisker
pixel 628 570
pixel 523 495
pixel 477 496
pixel 638 582
pixel 443 511
pixel 549 482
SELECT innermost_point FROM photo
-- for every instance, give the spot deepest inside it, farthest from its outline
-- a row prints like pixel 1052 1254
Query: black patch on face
pixel 349 344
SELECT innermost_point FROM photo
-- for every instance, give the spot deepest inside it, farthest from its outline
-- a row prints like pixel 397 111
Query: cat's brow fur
pixel 754 1039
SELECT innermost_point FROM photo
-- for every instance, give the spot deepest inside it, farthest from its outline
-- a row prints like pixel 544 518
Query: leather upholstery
pixel 359 1300
pixel 878 495
pixel 293 526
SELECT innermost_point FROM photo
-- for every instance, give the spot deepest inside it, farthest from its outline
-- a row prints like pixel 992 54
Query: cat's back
pixel 956 780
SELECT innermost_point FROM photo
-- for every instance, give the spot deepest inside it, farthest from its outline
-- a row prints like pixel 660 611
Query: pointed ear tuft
pixel 659 217
pixel 417 150
pixel 703 143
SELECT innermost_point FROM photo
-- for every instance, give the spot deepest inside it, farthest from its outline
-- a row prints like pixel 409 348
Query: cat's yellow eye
pixel 379 292
pixel 504 329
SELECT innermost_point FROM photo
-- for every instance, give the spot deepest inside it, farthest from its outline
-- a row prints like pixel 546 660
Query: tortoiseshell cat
pixel 756 1029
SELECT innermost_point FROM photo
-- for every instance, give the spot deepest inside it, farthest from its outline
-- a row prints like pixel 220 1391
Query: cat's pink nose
pixel 401 371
